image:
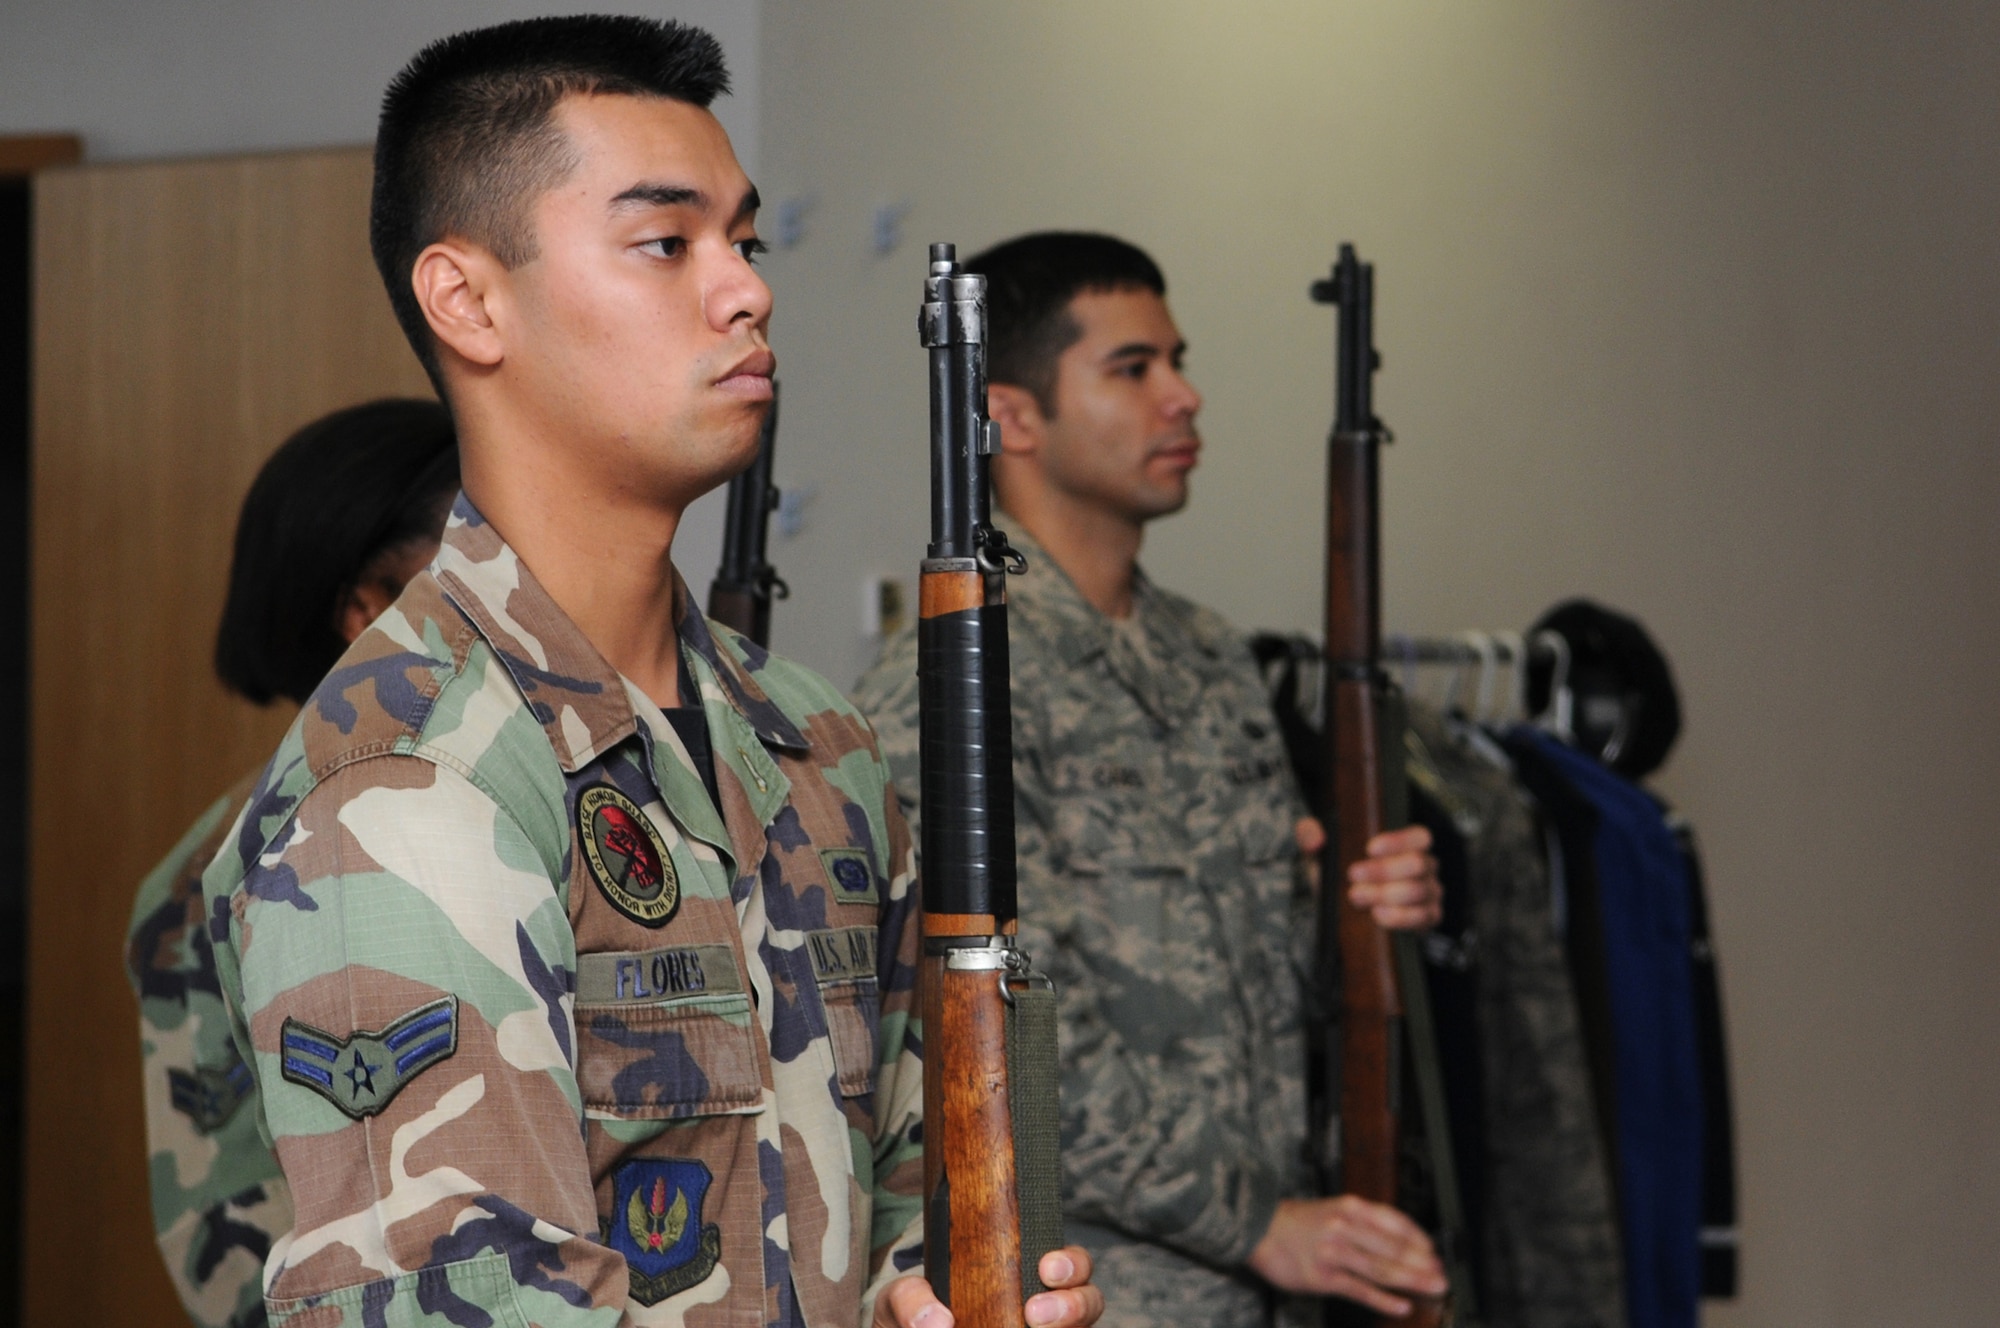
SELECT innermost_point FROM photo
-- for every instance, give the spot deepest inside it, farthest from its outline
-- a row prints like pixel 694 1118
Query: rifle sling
pixel 1419 1028
pixel 1421 1038
pixel 1034 1080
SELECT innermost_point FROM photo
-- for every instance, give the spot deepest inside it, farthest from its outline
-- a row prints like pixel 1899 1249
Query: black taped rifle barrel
pixel 962 669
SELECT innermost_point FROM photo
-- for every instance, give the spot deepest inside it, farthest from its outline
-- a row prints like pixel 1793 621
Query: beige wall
pixel 1689 308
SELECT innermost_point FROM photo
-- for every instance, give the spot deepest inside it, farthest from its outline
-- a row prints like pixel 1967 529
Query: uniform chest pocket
pixel 665 1034
pixel 843 962
pixel 1120 835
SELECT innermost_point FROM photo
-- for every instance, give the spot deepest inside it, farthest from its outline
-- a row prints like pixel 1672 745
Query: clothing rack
pixel 1491 652
pixel 1575 964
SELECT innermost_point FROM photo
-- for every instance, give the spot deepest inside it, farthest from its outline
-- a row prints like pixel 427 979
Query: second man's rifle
pixel 745 583
pixel 992 1178
pixel 1375 976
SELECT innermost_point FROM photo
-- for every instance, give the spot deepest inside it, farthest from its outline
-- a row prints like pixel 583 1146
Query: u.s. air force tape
pixel 361 1072
pixel 842 952
pixel 636 977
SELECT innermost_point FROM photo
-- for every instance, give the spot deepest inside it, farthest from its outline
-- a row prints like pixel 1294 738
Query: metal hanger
pixel 1559 718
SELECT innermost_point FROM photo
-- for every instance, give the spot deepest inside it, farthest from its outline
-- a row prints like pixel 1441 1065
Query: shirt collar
pixel 1049 604
pixel 571 690
pixel 1057 609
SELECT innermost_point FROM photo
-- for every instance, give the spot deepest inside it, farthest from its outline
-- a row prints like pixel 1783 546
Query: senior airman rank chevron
pixel 208 1096
pixel 361 1072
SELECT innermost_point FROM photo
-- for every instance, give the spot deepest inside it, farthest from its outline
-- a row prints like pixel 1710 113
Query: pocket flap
pixel 665 1034
pixel 843 961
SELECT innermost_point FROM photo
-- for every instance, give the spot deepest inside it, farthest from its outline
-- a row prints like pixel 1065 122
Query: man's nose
pixel 738 295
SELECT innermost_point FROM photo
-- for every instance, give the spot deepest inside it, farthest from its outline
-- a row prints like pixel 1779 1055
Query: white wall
pixel 202 77
pixel 198 77
pixel 1689 308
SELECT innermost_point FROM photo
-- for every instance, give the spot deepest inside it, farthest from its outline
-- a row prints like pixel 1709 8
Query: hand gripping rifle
pixel 745 584
pixel 1357 1060
pixel 992 1179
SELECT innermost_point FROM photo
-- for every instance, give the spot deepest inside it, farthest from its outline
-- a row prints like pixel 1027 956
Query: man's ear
pixel 455 285
pixel 1023 427
pixel 360 606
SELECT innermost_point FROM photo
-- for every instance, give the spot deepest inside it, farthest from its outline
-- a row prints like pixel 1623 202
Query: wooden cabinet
pixel 187 316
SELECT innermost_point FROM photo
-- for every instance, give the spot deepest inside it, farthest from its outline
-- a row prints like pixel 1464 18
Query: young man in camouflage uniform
pixel 338 521
pixel 573 941
pixel 1160 829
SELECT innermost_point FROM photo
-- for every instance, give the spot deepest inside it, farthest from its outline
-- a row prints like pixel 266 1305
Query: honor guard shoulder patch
pixel 850 874
pixel 656 1224
pixel 361 1072
pixel 628 859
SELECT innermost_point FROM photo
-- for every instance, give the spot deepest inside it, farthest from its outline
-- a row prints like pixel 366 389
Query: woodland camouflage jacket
pixel 219 1200
pixel 1155 814
pixel 539 1032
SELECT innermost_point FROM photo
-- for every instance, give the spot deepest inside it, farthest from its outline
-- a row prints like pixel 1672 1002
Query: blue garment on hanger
pixel 1648 933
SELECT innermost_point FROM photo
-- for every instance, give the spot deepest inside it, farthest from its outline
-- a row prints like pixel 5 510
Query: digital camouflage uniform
pixel 1158 889
pixel 219 1200
pixel 539 1032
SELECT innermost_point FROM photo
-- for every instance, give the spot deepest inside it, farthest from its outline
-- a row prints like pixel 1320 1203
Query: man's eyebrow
pixel 1143 350
pixel 752 200
pixel 647 195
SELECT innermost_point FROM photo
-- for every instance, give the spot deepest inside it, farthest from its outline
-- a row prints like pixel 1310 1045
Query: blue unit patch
pixel 850 873
pixel 656 1224
pixel 361 1072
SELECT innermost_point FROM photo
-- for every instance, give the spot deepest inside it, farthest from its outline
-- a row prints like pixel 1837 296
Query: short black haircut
pixel 468 138
pixel 337 498
pixel 1030 281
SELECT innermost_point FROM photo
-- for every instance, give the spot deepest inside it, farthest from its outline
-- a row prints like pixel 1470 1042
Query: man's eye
pixel 1136 370
pixel 750 248
pixel 667 246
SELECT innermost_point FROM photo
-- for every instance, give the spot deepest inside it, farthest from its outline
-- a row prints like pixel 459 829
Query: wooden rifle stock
pixel 1362 1051
pixel 991 1175
pixel 745 583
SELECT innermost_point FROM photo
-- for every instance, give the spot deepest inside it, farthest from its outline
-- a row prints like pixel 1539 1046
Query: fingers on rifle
pixel 1066 1267
pixel 1410 839
pixel 1398 918
pixel 1374 1297
pixel 1374 1231
pixel 909 1302
pixel 1398 909
pixel 1064 1309
pixel 1411 892
pixel 1370 1248
pixel 1412 865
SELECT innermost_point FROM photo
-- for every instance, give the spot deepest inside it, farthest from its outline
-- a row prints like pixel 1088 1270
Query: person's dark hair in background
pixel 468 133
pixel 340 517
pixel 1030 282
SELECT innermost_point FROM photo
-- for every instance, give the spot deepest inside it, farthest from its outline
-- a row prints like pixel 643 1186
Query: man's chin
pixel 723 449
pixel 1165 502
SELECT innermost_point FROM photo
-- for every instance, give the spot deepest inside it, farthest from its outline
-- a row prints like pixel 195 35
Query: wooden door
pixel 187 316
